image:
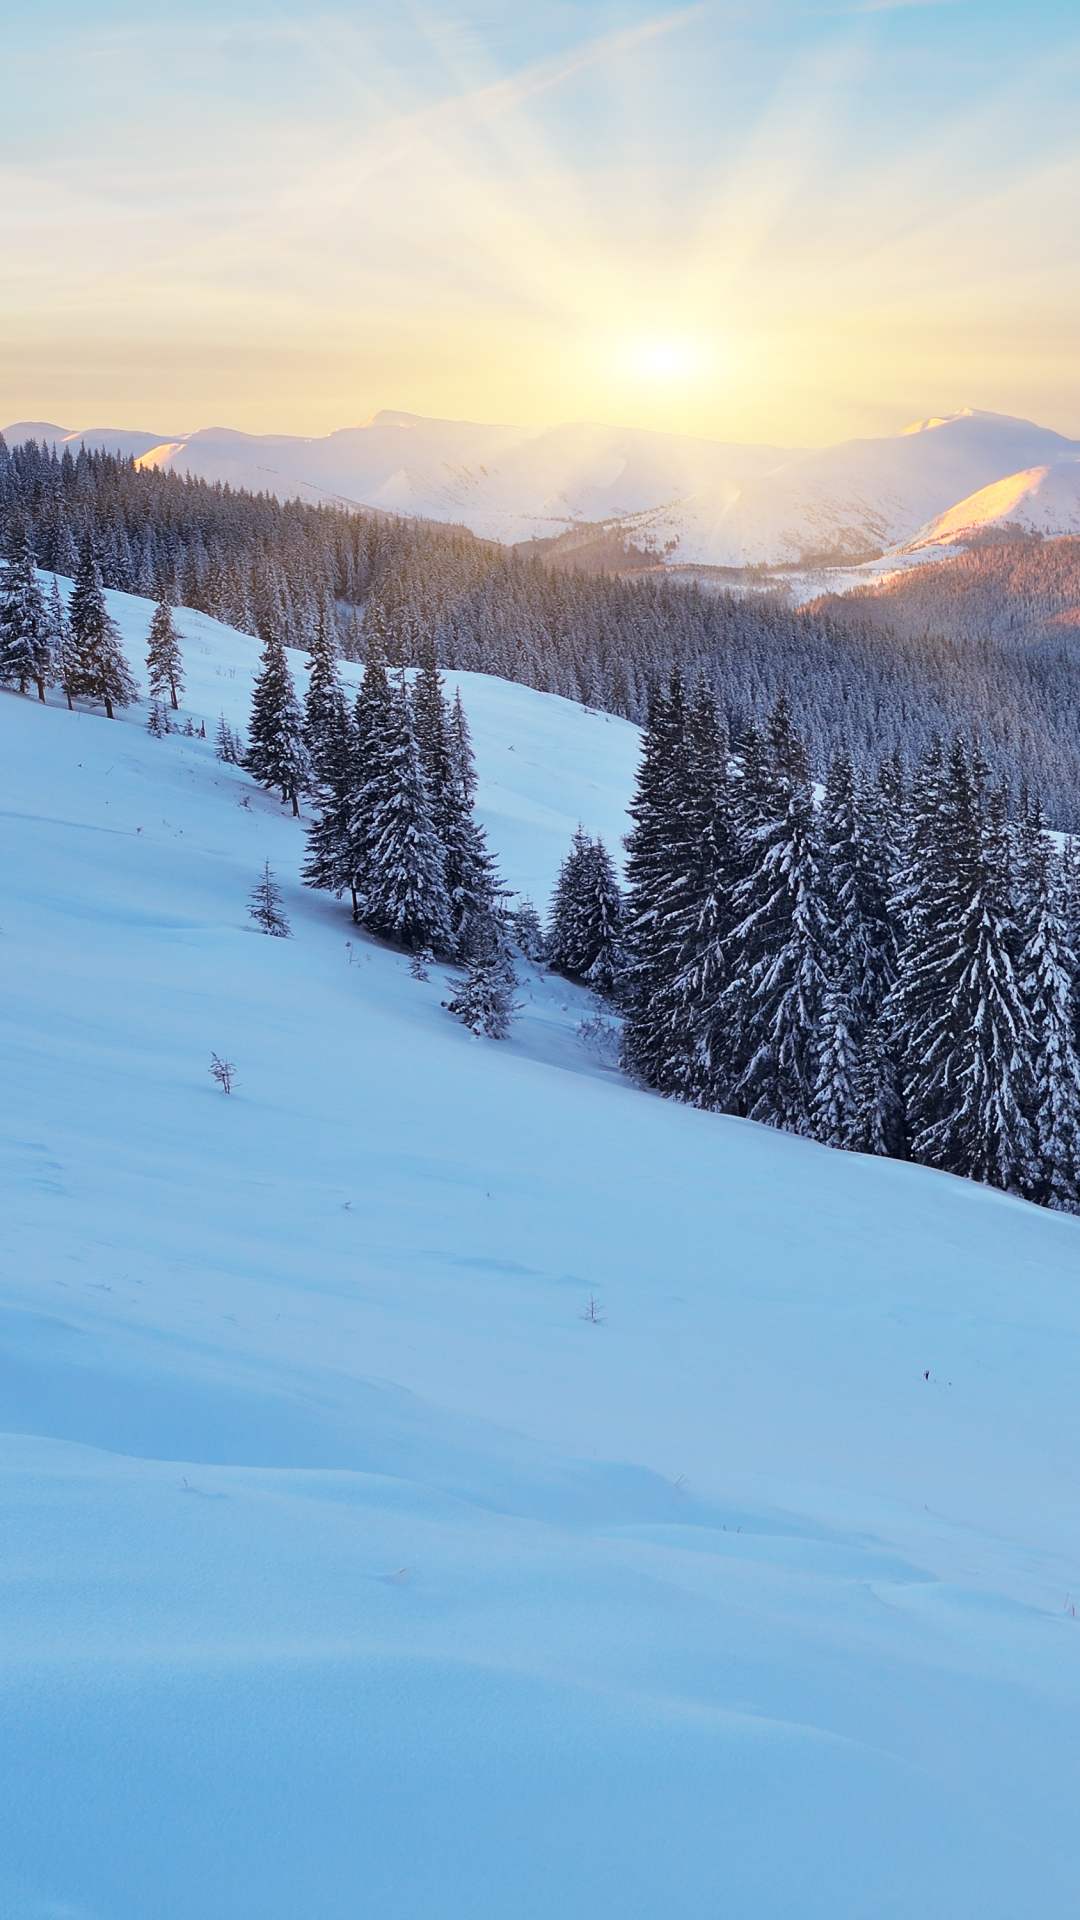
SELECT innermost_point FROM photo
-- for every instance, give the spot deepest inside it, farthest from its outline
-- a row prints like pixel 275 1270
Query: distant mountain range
pixel 677 499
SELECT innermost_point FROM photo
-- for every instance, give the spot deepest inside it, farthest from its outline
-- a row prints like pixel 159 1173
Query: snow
pixel 348 1568
pixel 699 502
pixel 1042 500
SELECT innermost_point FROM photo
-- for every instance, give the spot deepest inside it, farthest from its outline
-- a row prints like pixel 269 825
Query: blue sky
pixel 770 221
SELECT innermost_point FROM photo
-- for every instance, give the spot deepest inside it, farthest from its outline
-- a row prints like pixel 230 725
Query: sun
pixel 662 359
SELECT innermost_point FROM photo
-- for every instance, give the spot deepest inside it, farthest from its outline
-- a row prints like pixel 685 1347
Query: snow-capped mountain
pixel 691 501
pixel 1042 500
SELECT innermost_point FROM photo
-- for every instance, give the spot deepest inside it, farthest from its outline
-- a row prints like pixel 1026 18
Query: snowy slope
pixel 1042 500
pixel 348 1569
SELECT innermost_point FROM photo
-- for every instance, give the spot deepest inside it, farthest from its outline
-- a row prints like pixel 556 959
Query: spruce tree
pixel 658 863
pixel 325 714
pixel 24 623
pixel 101 671
pixel 1048 964
pixel 702 917
pixel 265 906
pixel 484 998
pixel 584 934
pixel 276 755
pixel 860 963
pixel 163 657
pixel 780 945
pixel 61 644
pixel 445 750
pixel 405 895
pixel 965 1035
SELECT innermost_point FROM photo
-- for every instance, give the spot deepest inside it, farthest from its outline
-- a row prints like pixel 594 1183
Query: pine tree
pixel 101 672
pixel 24 625
pixel 405 895
pixel 326 722
pixel 157 723
pixel 265 906
pixel 702 919
pixel 163 657
pixel 860 959
pixel 584 935
pixel 61 644
pixel 276 755
pixel 780 946
pixel 658 865
pixel 965 1037
pixel 445 750
pixel 484 998
pixel 527 930
pixel 228 745
pixel 1048 964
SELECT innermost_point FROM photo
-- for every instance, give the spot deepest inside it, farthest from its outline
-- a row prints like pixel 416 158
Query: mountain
pixel 1043 500
pixel 671 497
pixel 849 502
pixel 349 1567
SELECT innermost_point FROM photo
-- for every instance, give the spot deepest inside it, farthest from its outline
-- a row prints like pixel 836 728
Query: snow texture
pixel 352 1568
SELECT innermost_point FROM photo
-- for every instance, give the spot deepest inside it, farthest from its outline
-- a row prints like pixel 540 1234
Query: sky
pixel 763 220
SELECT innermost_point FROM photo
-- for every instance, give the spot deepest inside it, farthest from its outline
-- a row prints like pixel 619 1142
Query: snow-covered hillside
pixel 1042 500
pixel 349 1567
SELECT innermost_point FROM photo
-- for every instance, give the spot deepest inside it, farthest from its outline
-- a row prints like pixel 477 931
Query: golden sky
pixel 775 221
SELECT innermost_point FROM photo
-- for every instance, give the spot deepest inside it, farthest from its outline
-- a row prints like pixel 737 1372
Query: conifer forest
pixel 845 913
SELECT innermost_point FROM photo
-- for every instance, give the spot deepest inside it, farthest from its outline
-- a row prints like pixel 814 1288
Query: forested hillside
pixel 1026 590
pixel 268 567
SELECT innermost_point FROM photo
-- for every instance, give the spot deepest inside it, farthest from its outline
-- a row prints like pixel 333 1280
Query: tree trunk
pixel 41 691
pixel 355 905
pixel 175 701
pixel 108 708
pixel 71 703
pixel 295 806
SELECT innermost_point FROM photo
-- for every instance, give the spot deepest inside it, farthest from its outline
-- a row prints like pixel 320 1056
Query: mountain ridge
pixel 683 499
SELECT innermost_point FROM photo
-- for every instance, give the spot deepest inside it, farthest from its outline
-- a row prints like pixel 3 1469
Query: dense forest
pixel 1020 589
pixel 279 569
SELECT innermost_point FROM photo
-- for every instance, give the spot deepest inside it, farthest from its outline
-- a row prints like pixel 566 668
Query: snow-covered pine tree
pixel 527 930
pixel 404 895
pixel 880 1113
pixel 445 749
pixel 61 643
pixel 157 721
pixel 101 671
pixel 1048 965
pixel 701 917
pixel 843 1023
pixel 265 905
pixel 24 624
pixel 276 755
pixel 964 1033
pixel 861 959
pixel 584 934
pixel 659 861
pixel 336 838
pixel 461 751
pixel 164 660
pixel 228 745
pixel 484 998
pixel 326 722
pixel 780 946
